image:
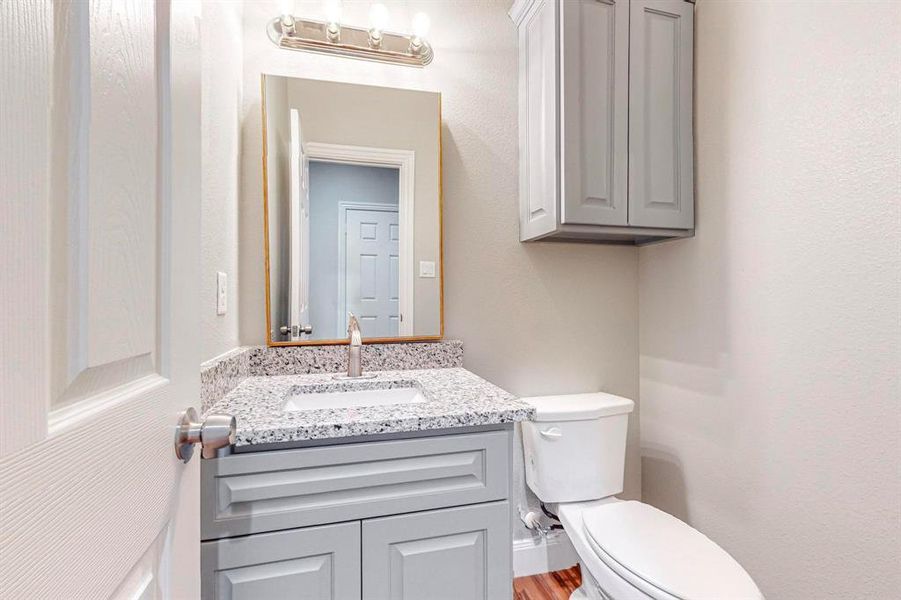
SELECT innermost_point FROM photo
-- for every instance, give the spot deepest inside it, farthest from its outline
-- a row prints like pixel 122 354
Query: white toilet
pixel 575 455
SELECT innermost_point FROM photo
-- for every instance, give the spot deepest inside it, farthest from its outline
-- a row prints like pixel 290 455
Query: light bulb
pixel 286 7
pixel 333 18
pixel 421 24
pixel 286 10
pixel 332 11
pixel 378 16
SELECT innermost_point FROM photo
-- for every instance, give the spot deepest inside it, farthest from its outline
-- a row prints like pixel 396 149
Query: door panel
pixel 93 499
pixel 661 180
pixel 461 553
pixel 370 269
pixel 595 116
pixel 316 563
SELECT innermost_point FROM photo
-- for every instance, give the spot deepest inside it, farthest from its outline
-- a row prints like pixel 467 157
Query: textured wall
pixel 535 318
pixel 220 117
pixel 770 342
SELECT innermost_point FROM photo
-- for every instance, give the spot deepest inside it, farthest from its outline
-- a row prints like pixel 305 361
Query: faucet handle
pixel 354 334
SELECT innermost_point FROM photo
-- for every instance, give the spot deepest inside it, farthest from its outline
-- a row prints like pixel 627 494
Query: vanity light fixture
pixel 333 37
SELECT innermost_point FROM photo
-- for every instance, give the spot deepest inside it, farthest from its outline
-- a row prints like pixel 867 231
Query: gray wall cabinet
pixel 605 119
pixel 359 520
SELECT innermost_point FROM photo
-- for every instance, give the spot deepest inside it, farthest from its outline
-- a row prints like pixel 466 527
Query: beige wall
pixel 221 143
pixel 535 319
pixel 770 342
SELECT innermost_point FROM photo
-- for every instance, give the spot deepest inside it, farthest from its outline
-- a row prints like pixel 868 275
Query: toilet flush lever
pixel 553 433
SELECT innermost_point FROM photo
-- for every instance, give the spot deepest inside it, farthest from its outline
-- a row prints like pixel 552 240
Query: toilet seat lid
pixel 665 553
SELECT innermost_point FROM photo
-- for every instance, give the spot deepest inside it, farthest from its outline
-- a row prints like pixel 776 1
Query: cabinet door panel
pixel 661 182
pixel 459 553
pixel 538 120
pixel 315 563
pixel 595 115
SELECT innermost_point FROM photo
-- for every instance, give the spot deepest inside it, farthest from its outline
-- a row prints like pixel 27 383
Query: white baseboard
pixel 543 555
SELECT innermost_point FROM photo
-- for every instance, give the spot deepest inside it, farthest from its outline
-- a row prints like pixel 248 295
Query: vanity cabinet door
pixel 461 553
pixel 661 182
pixel 315 563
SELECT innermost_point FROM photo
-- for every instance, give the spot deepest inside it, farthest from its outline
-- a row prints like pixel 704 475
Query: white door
pixel 299 234
pixel 100 176
pixel 371 269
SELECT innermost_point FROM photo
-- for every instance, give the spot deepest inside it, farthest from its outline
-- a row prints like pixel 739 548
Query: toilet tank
pixel 575 448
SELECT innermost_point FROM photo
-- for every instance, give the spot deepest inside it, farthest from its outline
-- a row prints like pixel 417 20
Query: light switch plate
pixel 221 293
pixel 426 268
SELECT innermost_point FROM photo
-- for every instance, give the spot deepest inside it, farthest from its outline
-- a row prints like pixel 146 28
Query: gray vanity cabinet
pixel 460 553
pixel 414 518
pixel 316 563
pixel 605 119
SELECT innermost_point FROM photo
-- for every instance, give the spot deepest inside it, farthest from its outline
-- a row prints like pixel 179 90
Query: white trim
pixel 297 281
pixel 532 556
pixel 343 207
pixel 404 161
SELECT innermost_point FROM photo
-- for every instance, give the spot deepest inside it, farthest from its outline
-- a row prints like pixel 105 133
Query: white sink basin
pixel 352 399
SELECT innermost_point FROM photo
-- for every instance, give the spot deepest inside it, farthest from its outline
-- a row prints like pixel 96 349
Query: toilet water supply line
pixel 532 520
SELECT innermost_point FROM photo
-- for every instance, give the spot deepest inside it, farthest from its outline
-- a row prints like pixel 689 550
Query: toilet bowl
pixel 574 456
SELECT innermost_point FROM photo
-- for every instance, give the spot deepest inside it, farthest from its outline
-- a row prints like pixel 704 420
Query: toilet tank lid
pixel 578 407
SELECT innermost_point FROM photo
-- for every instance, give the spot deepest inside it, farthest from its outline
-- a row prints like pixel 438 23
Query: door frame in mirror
pixel 404 161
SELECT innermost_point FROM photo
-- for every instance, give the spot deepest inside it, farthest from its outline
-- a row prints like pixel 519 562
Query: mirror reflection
pixel 353 211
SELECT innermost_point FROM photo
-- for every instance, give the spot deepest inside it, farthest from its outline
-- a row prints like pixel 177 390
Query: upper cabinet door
pixel 661 182
pixel 538 167
pixel 595 91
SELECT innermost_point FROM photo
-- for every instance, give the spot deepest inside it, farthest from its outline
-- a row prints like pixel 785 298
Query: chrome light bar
pixel 352 42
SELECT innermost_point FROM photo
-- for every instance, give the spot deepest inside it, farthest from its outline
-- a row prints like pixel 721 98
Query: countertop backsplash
pixel 224 373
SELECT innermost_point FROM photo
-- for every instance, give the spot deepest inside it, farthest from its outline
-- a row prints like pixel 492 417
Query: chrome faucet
pixel 354 347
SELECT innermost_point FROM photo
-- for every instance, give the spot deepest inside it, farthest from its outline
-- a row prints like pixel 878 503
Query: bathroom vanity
pixel 395 486
pixel 391 485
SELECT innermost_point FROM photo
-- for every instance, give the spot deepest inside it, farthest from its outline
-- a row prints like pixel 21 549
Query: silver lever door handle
pixel 216 431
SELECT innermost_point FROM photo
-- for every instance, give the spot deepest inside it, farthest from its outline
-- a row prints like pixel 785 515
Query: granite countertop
pixel 454 397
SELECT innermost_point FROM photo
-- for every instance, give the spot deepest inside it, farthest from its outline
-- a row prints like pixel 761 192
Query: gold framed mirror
pixel 352 212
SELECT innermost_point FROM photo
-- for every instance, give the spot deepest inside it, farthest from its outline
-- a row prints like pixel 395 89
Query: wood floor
pixel 547 586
